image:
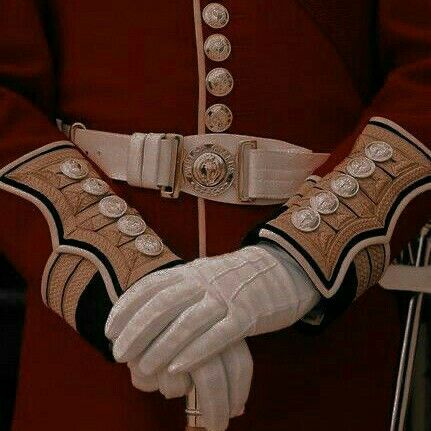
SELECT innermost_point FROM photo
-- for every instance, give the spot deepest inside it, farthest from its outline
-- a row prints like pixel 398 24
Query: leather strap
pixel 263 171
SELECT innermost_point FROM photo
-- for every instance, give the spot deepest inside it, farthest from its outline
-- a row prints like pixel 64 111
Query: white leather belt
pixel 221 167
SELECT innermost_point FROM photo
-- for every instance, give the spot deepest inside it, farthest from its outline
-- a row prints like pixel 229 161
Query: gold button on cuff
pixel 131 225
pixel 74 169
pixel 324 202
pixel 379 151
pixel 95 186
pixel 306 219
pixel 149 244
pixel 345 186
pixel 360 167
pixel 112 206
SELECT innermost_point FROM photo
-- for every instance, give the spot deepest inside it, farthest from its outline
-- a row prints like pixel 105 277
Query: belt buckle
pixel 209 169
pixel 172 192
pixel 242 182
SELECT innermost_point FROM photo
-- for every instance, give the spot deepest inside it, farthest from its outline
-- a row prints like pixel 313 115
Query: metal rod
pixel 408 352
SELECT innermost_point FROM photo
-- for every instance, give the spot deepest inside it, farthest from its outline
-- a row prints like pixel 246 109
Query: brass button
pixel 219 81
pixel 74 169
pixel 112 206
pixel 217 47
pixel 361 167
pixel 379 151
pixel 324 202
pixel 345 186
pixel 95 186
pixel 215 15
pixel 218 118
pixel 306 219
pixel 149 244
pixel 131 225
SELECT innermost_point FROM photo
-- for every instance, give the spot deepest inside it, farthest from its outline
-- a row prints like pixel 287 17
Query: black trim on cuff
pixel 333 307
pixel 92 311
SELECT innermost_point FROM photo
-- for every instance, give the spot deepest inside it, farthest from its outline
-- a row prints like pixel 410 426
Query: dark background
pixel 11 322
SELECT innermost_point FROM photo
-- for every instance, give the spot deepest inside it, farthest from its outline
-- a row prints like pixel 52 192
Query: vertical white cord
pixel 193 419
pixel 201 114
pixel 202 228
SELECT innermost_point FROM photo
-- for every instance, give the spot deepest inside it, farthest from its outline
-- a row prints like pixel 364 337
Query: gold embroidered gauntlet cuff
pixel 338 227
pixel 100 245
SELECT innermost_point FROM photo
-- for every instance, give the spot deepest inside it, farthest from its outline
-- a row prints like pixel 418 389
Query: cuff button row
pixel 114 207
pixel 344 185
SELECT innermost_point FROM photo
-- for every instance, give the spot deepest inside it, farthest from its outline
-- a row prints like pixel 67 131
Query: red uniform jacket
pixel 306 71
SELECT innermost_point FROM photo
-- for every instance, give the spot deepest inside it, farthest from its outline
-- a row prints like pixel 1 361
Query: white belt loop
pixel 135 159
pixel 244 169
pixel 151 164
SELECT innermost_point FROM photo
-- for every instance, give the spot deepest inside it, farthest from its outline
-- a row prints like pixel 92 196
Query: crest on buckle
pixel 209 169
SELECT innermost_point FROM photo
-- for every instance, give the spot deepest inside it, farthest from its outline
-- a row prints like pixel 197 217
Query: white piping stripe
pixel 202 228
pixel 192 398
pixel 201 116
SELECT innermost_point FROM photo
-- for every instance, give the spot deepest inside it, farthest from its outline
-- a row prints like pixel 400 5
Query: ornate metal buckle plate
pixel 209 169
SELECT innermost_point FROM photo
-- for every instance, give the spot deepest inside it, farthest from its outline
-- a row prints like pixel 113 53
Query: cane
pixel 405 370
pixel 193 413
pixel 194 421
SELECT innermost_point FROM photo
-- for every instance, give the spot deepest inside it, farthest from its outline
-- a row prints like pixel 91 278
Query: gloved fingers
pixel 231 329
pixel 141 382
pixel 135 297
pixel 174 385
pixel 212 389
pixel 189 325
pixel 152 318
pixel 238 364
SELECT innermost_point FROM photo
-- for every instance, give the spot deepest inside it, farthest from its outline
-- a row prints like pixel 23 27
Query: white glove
pixel 191 313
pixel 170 385
pixel 223 382
pixel 209 304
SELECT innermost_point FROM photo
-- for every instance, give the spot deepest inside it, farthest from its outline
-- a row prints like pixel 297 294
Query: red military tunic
pixel 303 72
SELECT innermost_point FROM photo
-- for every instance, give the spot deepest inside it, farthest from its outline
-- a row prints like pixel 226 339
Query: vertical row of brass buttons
pixel 219 81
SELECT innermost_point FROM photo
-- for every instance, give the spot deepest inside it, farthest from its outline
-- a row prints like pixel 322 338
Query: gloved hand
pixel 223 385
pixel 223 382
pixel 191 313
